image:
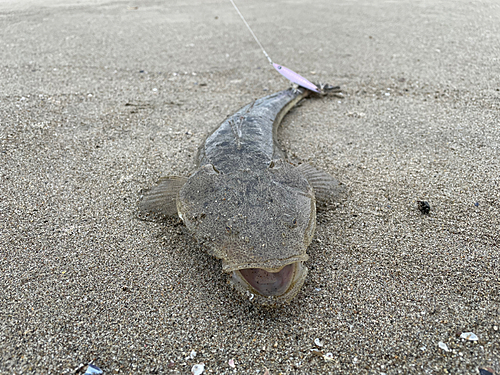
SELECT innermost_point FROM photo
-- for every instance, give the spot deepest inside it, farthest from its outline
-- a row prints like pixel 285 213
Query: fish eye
pixel 210 169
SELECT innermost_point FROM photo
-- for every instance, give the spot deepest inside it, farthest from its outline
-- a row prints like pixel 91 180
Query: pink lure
pixel 295 77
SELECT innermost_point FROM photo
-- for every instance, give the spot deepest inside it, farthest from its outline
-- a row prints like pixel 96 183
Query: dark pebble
pixel 424 207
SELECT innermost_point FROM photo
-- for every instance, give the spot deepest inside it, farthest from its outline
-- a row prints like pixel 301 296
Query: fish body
pixel 247 204
pixel 248 139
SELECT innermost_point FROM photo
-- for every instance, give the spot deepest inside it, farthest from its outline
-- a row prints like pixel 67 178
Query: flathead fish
pixel 247 203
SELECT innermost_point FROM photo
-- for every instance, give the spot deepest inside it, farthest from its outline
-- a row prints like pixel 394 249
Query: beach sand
pixel 100 99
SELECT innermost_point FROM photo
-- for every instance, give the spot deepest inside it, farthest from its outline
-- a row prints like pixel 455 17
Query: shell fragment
pixel 469 336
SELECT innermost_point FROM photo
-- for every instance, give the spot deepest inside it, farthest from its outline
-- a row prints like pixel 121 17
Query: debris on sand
pixel 424 207
pixel 93 370
pixel 443 346
pixel 198 369
pixel 319 342
pixel 469 336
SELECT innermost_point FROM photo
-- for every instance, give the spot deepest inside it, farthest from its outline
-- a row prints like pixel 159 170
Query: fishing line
pixel 254 36
pixel 284 71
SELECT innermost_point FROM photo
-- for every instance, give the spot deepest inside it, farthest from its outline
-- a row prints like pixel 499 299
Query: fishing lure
pixel 284 71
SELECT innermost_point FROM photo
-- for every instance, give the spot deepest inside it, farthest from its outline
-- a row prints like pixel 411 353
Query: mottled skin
pixel 248 205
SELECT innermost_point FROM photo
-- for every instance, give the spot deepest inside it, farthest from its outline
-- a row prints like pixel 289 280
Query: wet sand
pixel 98 100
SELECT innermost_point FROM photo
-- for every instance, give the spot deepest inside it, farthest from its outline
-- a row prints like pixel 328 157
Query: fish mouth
pixel 273 284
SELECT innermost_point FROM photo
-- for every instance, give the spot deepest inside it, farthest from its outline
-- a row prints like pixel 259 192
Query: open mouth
pixel 270 282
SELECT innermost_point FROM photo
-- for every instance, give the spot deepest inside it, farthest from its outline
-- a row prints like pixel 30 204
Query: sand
pixel 99 99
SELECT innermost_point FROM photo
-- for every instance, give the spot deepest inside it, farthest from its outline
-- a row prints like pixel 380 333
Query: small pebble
pixel 443 346
pixel 469 336
pixel 93 370
pixel 328 357
pixel 198 369
pixel 486 371
pixel 318 342
pixel 424 207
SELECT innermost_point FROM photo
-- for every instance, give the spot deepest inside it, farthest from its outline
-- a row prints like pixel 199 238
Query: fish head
pixel 259 222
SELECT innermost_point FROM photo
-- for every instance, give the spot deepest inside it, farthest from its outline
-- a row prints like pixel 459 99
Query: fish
pixel 247 203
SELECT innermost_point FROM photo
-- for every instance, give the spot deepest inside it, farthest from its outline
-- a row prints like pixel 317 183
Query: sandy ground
pixel 99 99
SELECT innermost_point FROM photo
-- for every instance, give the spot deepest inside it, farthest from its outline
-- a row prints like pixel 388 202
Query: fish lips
pixel 270 287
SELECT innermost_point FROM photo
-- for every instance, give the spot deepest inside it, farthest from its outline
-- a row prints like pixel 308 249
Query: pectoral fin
pixel 159 202
pixel 326 188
